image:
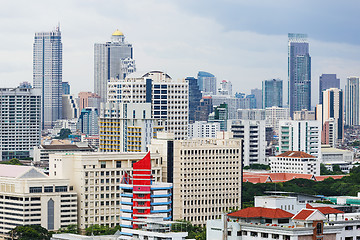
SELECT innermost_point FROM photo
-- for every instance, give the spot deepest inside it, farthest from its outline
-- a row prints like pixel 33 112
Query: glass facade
pixel 272 93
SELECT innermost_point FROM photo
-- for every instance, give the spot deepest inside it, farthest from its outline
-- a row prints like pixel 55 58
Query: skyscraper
pixel 112 60
pixel 47 74
pixel 299 73
pixel 352 101
pixel 65 88
pixel 258 96
pixel 327 81
pixel 194 97
pixel 207 83
pixel 272 93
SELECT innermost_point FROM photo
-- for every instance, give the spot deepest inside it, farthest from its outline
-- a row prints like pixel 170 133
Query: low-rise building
pixel 29 197
pixel 333 156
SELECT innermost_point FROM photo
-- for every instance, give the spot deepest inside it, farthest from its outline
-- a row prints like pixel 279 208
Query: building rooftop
pixel 309 215
pixel 295 154
pixel 17 171
pixel 260 212
pixel 324 210
pixel 65 147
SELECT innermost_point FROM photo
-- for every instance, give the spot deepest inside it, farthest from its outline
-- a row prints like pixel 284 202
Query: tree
pixel 64 133
pixel 12 161
pixel 30 232
pixel 101 230
pixel 72 228
pixel 194 232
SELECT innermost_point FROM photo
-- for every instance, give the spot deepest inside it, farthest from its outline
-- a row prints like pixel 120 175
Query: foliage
pixel 72 228
pixel 13 161
pixel 30 232
pixel 336 170
pixel 194 232
pixel 258 166
pixel 64 133
pixel 101 230
pixel 356 143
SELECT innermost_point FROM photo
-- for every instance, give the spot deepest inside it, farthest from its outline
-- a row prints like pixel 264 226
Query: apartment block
pixel 273 115
pixel 28 196
pixel 203 129
pixel 205 173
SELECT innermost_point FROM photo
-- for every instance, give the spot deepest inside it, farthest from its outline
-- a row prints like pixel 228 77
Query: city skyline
pixel 176 53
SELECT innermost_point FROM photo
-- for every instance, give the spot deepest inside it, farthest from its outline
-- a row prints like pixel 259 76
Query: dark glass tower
pixel 327 81
pixel 299 73
pixel 272 93
pixel 194 97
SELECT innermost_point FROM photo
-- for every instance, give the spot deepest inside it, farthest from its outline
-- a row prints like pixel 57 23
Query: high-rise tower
pixel 112 60
pixel 272 93
pixel 47 74
pixel 352 101
pixel 299 73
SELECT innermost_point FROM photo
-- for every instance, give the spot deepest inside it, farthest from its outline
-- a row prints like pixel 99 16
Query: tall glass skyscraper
pixel 352 101
pixel 299 73
pixel 327 81
pixel 47 74
pixel 272 93
pixel 112 60
pixel 207 83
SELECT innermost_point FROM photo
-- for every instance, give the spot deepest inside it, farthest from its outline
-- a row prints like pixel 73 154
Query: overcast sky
pixel 241 41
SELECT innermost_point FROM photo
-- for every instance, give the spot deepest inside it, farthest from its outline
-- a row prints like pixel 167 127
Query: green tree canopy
pixel 30 232
pixel 64 133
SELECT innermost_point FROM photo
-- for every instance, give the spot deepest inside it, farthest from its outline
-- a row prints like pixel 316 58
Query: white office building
pixel 203 129
pixel 169 98
pixel 302 136
pixel 253 132
pixel 20 121
pixel 251 114
pixel 70 108
pixel 274 114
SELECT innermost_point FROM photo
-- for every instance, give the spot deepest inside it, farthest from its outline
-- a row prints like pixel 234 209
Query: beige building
pixel 206 174
pixel 96 178
pixel 28 196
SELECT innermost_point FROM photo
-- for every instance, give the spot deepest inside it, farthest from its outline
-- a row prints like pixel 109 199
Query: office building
pixel 302 136
pixel 327 81
pixel 203 129
pixel 126 127
pixel 295 162
pixel 47 74
pixel 220 115
pixel 273 115
pixel 207 83
pixel 251 114
pixel 233 104
pixel 88 121
pixel 29 197
pixel 20 125
pixel 200 169
pixel 258 97
pixel 299 73
pixel 96 178
pixel 169 98
pixel 194 97
pixel 111 60
pixel 65 88
pixel 304 114
pixel 70 109
pixel 272 93
pixel 204 109
pixel 253 133
pixel 332 156
pixel 88 99
pixel 332 107
pixel 352 101
pixel 225 88
pixel 247 102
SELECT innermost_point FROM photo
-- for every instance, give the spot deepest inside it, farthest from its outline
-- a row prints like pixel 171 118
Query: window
pixel 349 228
pixel 49 189
pixel 50 209
pixel 229 233
pixel 244 233
pixel 319 228
pixel 264 235
pixel 60 188
pixel 35 189
pixel 118 164
pixel 238 233
pixel 253 234
pixel 103 164
pixel 275 236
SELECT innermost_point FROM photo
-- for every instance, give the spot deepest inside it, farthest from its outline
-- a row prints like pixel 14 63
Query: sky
pixel 244 42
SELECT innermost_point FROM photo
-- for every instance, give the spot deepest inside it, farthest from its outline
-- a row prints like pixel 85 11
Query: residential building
pixel 331 112
pixel 327 81
pixel 299 73
pixel 203 129
pixel 70 109
pixel 304 114
pixel 47 74
pixel 29 197
pixel 20 121
pixel 111 60
pixel 302 136
pixel 96 178
pixel 295 162
pixel 88 121
pixel 88 99
pixel 272 93
pixel 194 97
pixel 258 97
pixel 204 109
pixel 253 134
pixel 65 88
pixel 126 127
pixel 352 101
pixel 273 115
pixel 207 83
pixel 200 170
pixel 169 98
pixel 251 114
pixel 220 115
pixel 225 88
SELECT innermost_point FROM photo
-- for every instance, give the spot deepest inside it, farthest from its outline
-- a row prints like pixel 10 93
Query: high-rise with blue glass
pixel 272 93
pixel 299 73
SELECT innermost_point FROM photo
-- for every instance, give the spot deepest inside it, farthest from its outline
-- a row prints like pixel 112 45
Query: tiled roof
pixel 273 177
pixel 304 214
pixel 325 210
pixel 295 154
pixel 64 147
pixel 260 212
